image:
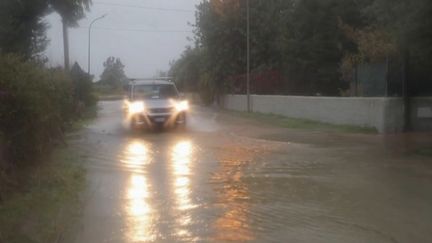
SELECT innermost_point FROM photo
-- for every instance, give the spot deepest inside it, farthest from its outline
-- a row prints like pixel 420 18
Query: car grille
pixel 161 110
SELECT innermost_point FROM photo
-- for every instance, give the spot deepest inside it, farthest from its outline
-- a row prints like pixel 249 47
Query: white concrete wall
pixel 384 114
pixel 421 113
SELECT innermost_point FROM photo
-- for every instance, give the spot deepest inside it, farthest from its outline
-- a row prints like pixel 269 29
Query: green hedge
pixel 36 105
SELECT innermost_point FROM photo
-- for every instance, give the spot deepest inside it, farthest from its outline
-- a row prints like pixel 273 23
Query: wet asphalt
pixel 228 179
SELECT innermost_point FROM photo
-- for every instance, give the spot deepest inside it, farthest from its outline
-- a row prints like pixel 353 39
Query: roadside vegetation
pixel 425 151
pixel 45 202
pixel 40 178
pixel 306 47
pixel 39 190
pixel 37 106
pixel 295 123
pixel 112 81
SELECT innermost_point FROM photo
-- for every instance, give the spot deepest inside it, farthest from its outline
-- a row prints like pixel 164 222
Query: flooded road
pixel 231 179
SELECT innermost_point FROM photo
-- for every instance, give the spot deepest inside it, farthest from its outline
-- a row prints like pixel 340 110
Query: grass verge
pixel 425 151
pixel 107 94
pixel 110 97
pixel 46 202
pixel 295 123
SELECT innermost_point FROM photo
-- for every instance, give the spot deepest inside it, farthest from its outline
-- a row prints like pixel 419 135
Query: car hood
pixel 159 103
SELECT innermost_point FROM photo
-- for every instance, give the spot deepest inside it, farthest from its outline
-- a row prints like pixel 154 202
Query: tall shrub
pixel 35 105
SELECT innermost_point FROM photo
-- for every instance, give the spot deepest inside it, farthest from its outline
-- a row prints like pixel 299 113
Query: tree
pixel 187 69
pixel 409 22
pixel 22 30
pixel 113 74
pixel 307 41
pixel 302 38
pixel 83 86
pixel 70 11
pixel 221 36
pixel 315 44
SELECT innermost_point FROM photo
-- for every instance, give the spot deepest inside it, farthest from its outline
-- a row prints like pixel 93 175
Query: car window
pixel 155 91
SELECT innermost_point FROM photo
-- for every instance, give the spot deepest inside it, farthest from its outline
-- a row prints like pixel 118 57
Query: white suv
pixel 153 103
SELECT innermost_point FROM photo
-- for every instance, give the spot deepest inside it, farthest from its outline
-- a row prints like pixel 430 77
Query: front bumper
pixel 159 119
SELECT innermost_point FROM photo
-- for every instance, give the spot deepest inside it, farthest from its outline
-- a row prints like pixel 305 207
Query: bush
pixel 83 90
pixel 36 104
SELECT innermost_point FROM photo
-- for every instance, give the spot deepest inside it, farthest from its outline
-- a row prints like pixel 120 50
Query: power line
pixel 144 7
pixel 139 30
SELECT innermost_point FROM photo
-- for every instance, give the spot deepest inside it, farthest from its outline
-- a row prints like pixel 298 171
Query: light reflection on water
pixel 181 157
pixel 234 223
pixel 137 193
pixel 137 206
pixel 135 156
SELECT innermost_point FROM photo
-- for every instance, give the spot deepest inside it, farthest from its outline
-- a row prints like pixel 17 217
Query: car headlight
pixel 136 107
pixel 182 106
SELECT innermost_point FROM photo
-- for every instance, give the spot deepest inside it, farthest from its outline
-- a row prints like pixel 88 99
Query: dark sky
pixel 145 34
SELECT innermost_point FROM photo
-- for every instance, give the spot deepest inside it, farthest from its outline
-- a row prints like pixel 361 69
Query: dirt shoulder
pixel 278 128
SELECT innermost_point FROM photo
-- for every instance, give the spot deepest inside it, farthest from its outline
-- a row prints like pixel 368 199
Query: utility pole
pixel 406 88
pixel 248 58
pixel 89 41
pixel 387 76
pixel 65 45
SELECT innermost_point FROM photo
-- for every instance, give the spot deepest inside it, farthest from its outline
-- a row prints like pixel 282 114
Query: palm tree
pixel 70 11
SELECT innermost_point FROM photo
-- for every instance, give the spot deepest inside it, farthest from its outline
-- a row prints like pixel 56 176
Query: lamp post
pixel 247 59
pixel 89 41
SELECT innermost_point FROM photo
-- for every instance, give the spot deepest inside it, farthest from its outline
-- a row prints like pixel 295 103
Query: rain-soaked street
pixel 226 178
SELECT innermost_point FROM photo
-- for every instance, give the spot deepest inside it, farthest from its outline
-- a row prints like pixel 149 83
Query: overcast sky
pixel 145 34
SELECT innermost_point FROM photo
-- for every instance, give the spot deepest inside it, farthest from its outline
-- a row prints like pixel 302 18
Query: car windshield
pixel 154 91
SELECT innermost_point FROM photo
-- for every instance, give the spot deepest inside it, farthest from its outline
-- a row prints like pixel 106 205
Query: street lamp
pixel 89 38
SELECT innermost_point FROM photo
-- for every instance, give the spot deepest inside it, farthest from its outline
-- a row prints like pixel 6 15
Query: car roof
pixel 149 82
